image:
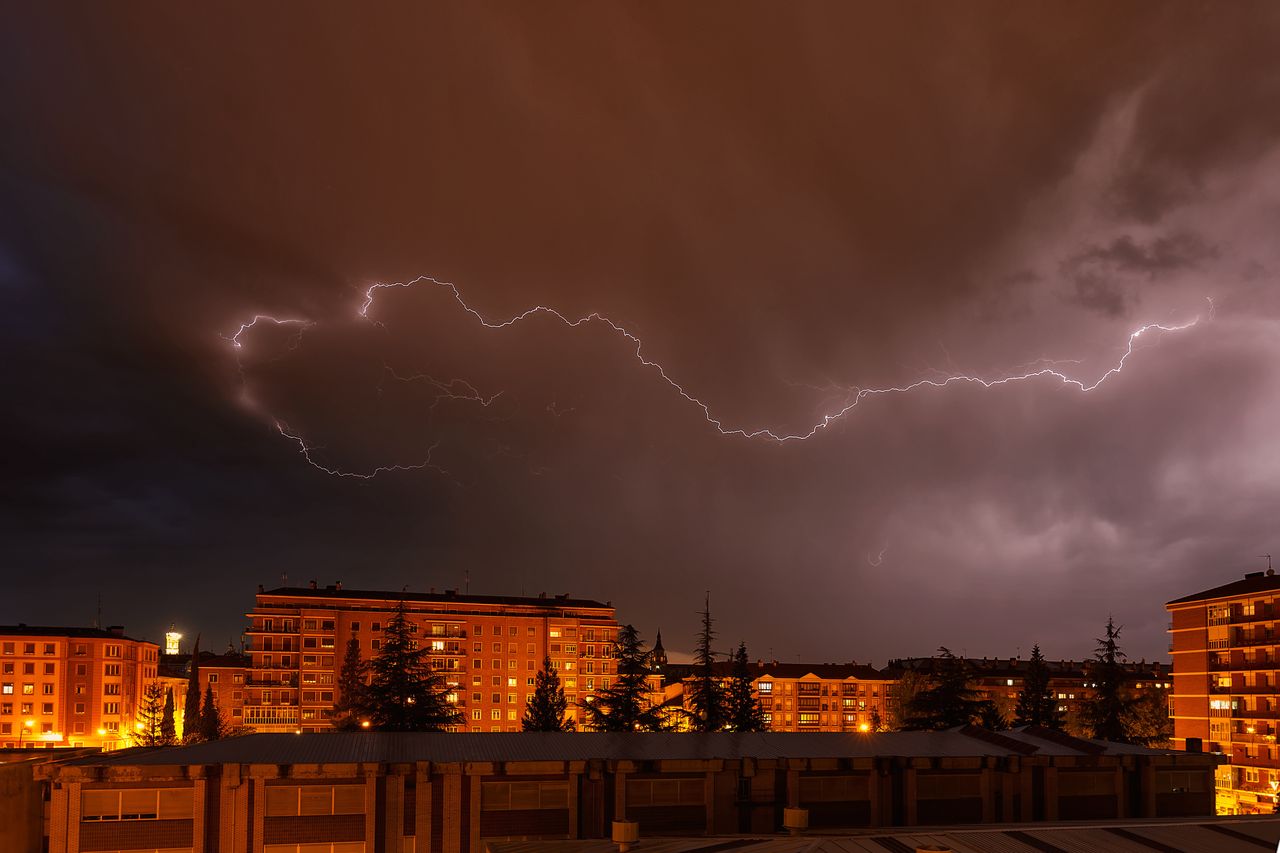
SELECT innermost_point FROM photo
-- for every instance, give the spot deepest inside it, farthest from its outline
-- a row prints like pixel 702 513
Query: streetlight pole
pixel 27 724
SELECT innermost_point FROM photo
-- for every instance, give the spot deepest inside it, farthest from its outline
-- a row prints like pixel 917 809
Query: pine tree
pixel 948 701
pixel 1104 714
pixel 191 710
pixel 742 708
pixel 877 721
pixel 1147 722
pixel 405 694
pixel 149 730
pixel 353 699
pixel 210 718
pixel 1037 705
pixel 547 705
pixel 624 706
pixel 706 696
pixel 168 728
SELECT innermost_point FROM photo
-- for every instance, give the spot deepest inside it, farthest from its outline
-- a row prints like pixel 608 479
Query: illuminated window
pixel 111 708
pixel 495 714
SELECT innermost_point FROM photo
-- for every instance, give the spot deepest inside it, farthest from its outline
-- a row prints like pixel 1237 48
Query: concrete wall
pixel 21 809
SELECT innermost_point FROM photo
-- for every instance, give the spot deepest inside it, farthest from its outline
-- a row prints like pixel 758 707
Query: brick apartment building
pixel 71 686
pixel 1001 679
pixel 488 648
pixel 1226 677
pixel 806 697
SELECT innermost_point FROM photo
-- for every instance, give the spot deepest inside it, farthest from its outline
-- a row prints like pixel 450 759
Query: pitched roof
pixel 449 595
pixel 774 669
pixel 1253 583
pixel 354 747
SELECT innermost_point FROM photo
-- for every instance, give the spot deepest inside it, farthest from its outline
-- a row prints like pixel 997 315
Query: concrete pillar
pixel 910 805
pixel 793 788
pixel 370 807
pixel 709 794
pixel 575 784
pixel 451 817
pixel 393 825
pixel 1147 781
pixel 620 794
pixel 422 809
pixel 1051 793
pixel 985 786
pixel 874 782
pixel 199 788
pixel 64 818
pixel 1122 801
pixel 259 809
pixel 1026 790
pixel 473 830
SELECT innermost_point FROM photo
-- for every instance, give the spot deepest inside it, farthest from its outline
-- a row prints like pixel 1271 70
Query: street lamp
pixel 27 724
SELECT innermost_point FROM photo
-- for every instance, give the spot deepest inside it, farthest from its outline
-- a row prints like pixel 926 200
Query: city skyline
pixel 892 328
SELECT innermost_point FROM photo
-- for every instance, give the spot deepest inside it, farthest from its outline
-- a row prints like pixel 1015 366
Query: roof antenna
pixel 98 622
pixel 1269 569
pixel 466 586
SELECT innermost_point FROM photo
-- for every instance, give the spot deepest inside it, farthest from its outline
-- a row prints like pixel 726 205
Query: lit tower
pixel 171 640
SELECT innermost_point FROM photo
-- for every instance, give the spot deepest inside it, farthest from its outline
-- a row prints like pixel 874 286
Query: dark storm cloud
pixel 785 204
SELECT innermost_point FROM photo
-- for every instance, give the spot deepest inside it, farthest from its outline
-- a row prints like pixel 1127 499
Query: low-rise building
pixel 425 793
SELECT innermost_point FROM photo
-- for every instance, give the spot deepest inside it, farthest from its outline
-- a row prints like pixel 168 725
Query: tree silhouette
pixel 1037 705
pixel 546 707
pixel 405 694
pixel 948 701
pixel 353 698
pixel 191 707
pixel 1104 714
pixel 210 718
pixel 706 696
pixel 742 708
pixel 623 705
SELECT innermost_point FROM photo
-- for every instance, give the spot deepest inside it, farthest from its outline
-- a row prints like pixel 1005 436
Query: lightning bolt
pixel 1043 369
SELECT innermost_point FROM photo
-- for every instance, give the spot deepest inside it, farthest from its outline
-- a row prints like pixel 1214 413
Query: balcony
pixel 270 715
pixel 1247 714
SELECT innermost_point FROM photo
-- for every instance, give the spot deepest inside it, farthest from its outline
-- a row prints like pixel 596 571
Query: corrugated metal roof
pixel 1204 835
pixel 349 747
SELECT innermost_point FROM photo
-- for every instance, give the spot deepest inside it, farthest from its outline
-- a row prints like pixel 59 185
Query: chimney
pixel 260 589
pixel 542 595
pixel 312 584
pixel 339 584
pixel 117 630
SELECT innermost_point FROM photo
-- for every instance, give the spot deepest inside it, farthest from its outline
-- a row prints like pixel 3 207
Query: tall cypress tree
pixel 547 705
pixel 624 705
pixel 168 727
pixel 706 696
pixel 1105 713
pixel 191 709
pixel 353 699
pixel 1037 705
pixel 210 718
pixel 742 709
pixel 405 694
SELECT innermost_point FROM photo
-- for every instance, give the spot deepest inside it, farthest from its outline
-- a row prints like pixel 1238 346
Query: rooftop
pixel 449 596
pixel 1253 583
pixel 776 669
pixel 389 747
pixel 20 630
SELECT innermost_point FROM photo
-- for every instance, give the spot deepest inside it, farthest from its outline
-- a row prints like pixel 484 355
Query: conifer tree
pixel 149 730
pixel 742 709
pixel 191 709
pixel 210 718
pixel 1037 705
pixel 353 699
pixel 624 706
pixel 1147 721
pixel 168 727
pixel 706 696
pixel 405 694
pixel 547 705
pixel 948 701
pixel 1104 714
pixel 877 720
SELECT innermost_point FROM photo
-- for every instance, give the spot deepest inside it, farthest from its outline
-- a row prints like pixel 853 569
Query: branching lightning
pixel 457 389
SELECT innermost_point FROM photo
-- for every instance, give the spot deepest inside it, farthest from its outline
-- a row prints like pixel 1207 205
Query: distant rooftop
pixel 115 632
pixel 388 747
pixel 1017 667
pixel 447 596
pixel 782 669
pixel 1253 583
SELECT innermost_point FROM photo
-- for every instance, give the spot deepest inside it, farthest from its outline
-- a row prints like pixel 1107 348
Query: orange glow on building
pixel 488 648
pixel 71 686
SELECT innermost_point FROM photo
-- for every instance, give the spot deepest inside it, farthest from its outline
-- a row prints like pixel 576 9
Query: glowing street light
pixel 26 724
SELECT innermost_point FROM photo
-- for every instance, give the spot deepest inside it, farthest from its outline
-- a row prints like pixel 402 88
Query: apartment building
pixel 803 697
pixel 71 686
pixel 1000 680
pixel 488 648
pixel 1226 685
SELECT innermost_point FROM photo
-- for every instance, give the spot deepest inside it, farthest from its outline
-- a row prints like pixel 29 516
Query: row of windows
pixel 30 648
pixel 136 804
pixel 306 800
pixel 513 796
pixel 29 688
pixel 29 668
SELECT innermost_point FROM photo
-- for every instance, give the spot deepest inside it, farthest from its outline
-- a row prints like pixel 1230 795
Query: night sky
pixel 785 203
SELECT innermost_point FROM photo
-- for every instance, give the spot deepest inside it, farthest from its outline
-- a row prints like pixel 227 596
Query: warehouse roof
pixel 389 747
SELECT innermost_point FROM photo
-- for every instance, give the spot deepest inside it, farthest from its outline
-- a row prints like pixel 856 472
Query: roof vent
pixel 312 584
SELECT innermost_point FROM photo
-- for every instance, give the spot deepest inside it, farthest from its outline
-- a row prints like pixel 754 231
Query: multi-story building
pixel 803 697
pixel 1226 685
pixel 71 686
pixel 1000 680
pixel 488 648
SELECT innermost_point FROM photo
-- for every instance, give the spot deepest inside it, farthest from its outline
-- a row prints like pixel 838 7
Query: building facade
pixel 488 648
pixel 441 793
pixel 71 686
pixel 1000 680
pixel 1226 677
